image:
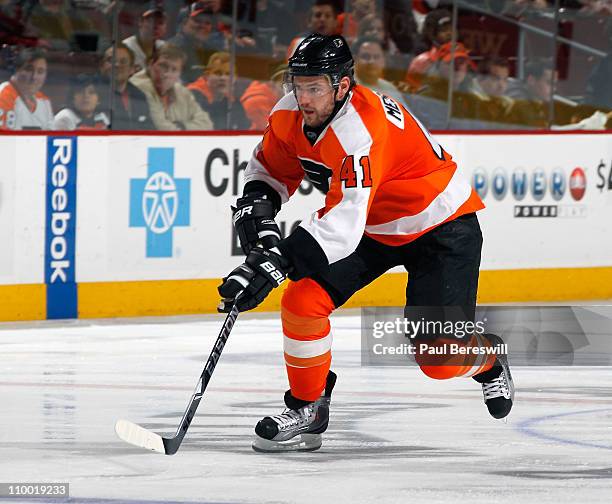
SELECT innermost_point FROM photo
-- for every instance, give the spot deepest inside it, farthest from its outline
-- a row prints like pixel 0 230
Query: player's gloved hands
pixel 253 218
pixel 262 271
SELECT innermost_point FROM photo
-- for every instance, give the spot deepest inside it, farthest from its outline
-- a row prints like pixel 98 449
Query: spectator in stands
pixel 468 97
pixel 437 31
pixel 348 21
pixel 55 24
pixel 369 66
pixel 23 106
pixel 261 96
pixel 129 109
pixel 214 94
pixel 494 79
pixel 172 106
pixel 151 31
pixel 323 19
pixel 198 37
pixel 81 111
pixel 494 76
pixel 532 97
pixel 373 26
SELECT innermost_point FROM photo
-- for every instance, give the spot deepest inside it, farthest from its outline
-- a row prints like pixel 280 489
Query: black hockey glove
pixel 253 218
pixel 257 276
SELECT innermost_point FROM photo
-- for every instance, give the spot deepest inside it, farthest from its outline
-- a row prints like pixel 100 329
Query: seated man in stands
pixel 494 79
pixel 23 106
pixel 533 95
pixel 151 31
pixel 129 109
pixel 532 103
pixel 437 31
pixel 468 98
pixel 369 66
pixel 323 19
pixel 214 94
pixel 81 111
pixel 172 106
pixel 198 37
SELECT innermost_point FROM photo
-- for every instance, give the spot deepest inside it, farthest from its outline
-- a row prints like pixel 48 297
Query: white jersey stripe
pixel 350 214
pixel 441 208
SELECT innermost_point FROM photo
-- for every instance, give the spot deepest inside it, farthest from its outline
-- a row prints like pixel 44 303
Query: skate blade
pixel 300 443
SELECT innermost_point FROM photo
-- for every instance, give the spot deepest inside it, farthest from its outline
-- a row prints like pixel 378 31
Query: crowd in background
pixel 183 65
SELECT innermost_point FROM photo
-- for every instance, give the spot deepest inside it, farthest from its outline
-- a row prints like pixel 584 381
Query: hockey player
pixel 394 197
pixel 22 103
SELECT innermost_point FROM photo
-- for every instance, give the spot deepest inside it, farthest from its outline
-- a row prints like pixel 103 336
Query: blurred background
pixel 219 64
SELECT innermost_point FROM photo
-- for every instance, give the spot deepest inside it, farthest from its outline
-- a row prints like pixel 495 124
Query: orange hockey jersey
pixel 383 173
pixel 19 114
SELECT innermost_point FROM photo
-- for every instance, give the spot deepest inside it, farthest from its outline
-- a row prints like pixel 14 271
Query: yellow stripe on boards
pixel 23 302
pixel 181 297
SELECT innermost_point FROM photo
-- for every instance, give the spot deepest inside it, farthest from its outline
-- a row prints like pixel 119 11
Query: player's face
pixel 165 73
pixel 86 101
pixel 31 77
pixel 315 96
pixel 323 20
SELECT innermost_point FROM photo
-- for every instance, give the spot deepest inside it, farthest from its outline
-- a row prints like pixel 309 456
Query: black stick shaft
pixel 172 444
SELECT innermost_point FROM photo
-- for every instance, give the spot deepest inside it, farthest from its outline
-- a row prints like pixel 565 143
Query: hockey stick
pixel 139 436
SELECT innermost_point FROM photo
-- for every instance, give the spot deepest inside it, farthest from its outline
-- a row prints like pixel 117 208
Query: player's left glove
pixel 262 271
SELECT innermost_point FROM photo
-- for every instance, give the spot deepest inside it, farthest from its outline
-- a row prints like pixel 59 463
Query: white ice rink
pixel 394 435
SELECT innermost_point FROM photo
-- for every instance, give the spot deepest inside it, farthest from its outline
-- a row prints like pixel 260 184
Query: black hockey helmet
pixel 323 55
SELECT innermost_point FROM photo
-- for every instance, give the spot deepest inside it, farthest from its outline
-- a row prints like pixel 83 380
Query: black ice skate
pixel 497 384
pixel 299 427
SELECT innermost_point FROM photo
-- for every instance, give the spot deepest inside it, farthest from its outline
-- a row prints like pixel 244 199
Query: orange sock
pixel 443 367
pixel 305 309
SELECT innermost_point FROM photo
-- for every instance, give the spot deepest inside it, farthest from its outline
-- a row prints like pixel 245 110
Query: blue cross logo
pixel 160 202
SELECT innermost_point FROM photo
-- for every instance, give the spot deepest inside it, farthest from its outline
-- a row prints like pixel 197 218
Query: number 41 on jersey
pixel 348 172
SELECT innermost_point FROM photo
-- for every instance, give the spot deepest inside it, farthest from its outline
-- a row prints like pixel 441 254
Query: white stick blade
pixel 139 436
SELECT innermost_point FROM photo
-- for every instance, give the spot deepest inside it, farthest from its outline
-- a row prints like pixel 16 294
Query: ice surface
pixel 394 435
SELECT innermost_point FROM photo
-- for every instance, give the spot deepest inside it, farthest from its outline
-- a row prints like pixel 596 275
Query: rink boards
pixel 106 225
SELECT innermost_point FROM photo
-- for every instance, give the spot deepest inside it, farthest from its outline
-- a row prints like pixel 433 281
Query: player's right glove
pixel 253 218
pixel 262 271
